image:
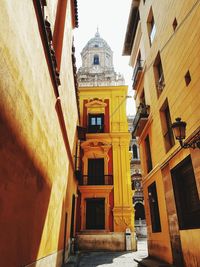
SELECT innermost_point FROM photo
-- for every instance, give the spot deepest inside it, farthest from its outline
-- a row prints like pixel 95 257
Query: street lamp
pixel 179 129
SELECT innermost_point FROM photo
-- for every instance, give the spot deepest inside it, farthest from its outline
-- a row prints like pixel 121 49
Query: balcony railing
pixel 96 180
pixel 140 119
pixel 95 128
pixel 137 72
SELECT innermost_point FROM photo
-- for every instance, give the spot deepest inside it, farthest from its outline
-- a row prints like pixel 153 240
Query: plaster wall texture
pixel 106 242
pixel 179 52
pixel 33 160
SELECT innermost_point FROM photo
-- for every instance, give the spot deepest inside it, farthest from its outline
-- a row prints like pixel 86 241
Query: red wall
pixel 107 117
pixel 111 196
pixel 85 113
pixel 111 202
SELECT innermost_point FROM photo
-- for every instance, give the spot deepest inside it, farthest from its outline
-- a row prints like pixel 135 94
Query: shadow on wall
pixel 67 223
pixel 24 200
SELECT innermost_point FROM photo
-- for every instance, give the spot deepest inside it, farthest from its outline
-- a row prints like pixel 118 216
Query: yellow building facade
pixel 162 42
pixel 110 180
pixel 105 209
pixel 38 118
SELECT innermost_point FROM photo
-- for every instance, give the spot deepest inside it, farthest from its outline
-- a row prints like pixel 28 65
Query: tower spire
pixel 97 33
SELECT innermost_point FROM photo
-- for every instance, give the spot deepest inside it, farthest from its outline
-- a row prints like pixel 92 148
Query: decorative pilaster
pixel 123 208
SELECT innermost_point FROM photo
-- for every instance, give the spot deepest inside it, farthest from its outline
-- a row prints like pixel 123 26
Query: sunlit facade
pixel 38 118
pixel 162 40
pixel 104 210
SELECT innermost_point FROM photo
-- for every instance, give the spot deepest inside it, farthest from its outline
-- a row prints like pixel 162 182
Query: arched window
pixel 96 60
pixel 135 152
pixel 139 211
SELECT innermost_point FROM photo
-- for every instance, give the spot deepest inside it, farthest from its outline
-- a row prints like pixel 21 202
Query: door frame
pixel 94 202
pixel 95 192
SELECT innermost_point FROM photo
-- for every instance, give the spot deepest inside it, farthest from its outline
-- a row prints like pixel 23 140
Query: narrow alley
pixel 100 133
pixel 138 258
pixel 111 259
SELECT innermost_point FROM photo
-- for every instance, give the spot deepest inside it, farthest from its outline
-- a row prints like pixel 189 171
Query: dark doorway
pixel 139 211
pixel 95 213
pixel 95 171
pixel 64 241
pixel 72 217
pixel 186 195
pixel 154 208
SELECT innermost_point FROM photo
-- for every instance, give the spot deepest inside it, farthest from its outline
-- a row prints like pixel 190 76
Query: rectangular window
pixel 95 123
pixel 154 209
pixel 148 154
pixel 151 26
pixel 159 74
pixel 186 195
pixel 166 127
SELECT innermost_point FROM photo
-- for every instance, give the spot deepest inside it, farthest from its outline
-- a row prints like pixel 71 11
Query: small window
pixel 154 208
pixel 135 152
pixel 96 60
pixel 151 26
pixel 142 98
pixel 175 24
pixel 139 211
pixel 187 78
pixel 186 195
pixel 148 154
pixel 167 126
pixel 159 75
pixel 96 123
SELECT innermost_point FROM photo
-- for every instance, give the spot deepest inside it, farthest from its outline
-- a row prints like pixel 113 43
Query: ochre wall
pixel 118 138
pixel 158 243
pixel 34 165
pixel 179 52
pixel 190 247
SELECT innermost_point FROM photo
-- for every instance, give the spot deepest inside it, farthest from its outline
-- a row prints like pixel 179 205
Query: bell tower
pixel 97 64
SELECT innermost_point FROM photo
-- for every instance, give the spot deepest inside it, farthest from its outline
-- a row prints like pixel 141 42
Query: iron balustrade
pixel 138 68
pixel 142 112
pixel 96 180
pixel 95 128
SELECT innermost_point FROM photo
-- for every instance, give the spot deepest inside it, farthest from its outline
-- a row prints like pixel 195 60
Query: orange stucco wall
pixel 35 170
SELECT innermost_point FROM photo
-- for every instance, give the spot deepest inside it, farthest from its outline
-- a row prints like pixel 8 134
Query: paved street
pixel 113 259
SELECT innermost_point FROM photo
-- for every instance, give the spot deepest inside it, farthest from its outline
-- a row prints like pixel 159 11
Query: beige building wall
pixel 179 53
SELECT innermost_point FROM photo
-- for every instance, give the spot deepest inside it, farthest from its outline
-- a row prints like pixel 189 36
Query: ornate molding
pixel 96 103
pixel 96 143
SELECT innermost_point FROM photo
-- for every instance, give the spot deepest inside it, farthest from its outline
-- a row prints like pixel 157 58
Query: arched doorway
pixel 139 211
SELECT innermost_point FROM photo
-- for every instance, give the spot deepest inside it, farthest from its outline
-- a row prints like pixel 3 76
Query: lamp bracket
pixel 194 142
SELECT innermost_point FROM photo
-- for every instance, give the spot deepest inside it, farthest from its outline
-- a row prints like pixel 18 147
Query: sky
pixel 111 18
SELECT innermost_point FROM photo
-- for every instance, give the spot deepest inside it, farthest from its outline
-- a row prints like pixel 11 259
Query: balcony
pixel 140 119
pixel 95 129
pixel 95 180
pixel 137 72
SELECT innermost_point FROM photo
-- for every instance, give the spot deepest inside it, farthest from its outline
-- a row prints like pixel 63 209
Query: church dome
pixel 97 64
pixel 97 42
